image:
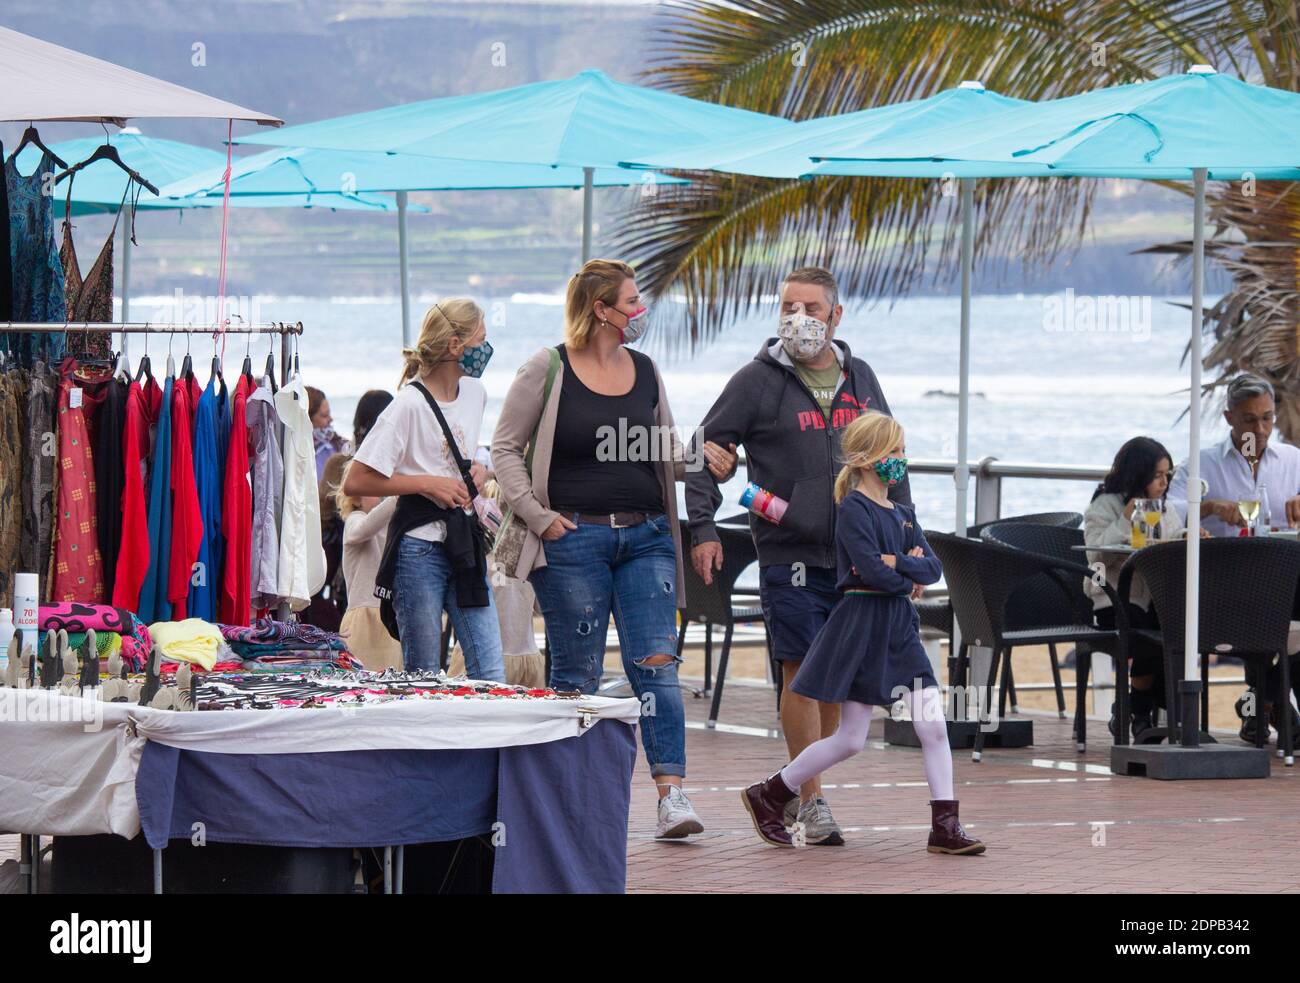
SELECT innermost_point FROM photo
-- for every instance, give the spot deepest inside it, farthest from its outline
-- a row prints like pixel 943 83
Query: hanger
pixel 247 369
pixel 171 362
pixel 31 136
pixel 215 373
pixel 269 375
pixel 105 151
pixel 187 364
pixel 145 370
pixel 122 371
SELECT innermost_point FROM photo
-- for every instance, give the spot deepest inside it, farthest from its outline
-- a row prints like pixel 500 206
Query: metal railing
pixel 987 475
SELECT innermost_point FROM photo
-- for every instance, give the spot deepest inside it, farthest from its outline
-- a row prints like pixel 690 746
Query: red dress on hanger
pixel 187 520
pixel 133 554
pixel 237 516
pixel 78 574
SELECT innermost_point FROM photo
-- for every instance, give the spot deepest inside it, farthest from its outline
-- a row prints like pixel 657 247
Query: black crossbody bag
pixel 462 464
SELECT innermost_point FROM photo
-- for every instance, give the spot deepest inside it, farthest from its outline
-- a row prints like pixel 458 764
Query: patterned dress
pixel 38 292
pixel 78 573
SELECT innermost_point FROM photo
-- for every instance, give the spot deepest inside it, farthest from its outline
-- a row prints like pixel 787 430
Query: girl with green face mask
pixel 869 652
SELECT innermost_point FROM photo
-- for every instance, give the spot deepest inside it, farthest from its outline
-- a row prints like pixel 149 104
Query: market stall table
pixel 547 779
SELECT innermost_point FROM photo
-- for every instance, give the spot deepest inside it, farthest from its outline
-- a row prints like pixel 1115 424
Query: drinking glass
pixel 1248 509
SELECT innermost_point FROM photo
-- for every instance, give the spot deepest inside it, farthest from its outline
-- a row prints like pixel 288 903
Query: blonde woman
pixel 604 538
pixel 869 651
pixel 365 528
pixel 433 559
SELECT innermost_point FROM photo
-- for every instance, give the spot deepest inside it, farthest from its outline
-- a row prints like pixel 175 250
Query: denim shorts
pixel 795 612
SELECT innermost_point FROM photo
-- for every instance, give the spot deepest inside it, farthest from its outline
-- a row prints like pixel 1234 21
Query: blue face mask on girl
pixel 475 360
pixel 891 470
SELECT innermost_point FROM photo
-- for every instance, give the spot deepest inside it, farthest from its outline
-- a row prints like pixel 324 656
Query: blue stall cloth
pixel 202 601
pixel 557 811
pixel 154 605
pixel 563 810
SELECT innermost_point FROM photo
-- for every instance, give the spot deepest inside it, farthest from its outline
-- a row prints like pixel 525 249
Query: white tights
pixel 851 737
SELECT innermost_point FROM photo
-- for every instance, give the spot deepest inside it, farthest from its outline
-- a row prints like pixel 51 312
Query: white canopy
pixel 42 81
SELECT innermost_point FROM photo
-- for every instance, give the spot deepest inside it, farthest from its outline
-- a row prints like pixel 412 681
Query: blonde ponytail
pixel 844 482
pixel 866 440
pixel 456 317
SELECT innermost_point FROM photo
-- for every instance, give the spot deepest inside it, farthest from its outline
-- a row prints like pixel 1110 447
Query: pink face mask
pixel 636 325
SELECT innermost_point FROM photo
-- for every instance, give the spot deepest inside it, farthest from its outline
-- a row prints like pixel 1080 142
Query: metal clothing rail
pixel 148 327
pixel 284 329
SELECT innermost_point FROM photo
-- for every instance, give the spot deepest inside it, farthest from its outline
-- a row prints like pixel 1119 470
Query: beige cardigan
pixel 528 496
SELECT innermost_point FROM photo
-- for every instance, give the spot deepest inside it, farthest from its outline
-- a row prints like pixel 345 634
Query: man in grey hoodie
pixel 788 408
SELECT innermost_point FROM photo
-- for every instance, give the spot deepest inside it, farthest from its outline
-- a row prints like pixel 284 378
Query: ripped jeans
pixel 593 571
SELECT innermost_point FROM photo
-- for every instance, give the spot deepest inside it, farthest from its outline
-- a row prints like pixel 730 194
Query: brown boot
pixel 766 804
pixel 946 834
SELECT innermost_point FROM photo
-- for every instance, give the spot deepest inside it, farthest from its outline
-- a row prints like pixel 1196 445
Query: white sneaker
pixel 677 816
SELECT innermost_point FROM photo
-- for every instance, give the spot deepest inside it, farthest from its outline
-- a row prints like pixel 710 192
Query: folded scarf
pixel 106 642
pixel 192 640
pixel 73 616
pixel 264 630
pixel 254 650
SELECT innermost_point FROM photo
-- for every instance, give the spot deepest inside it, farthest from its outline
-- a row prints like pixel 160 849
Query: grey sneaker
pixel 819 827
pixel 677 817
pixel 792 812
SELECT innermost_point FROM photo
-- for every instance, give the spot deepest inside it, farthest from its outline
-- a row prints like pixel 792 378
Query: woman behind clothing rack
pixel 365 527
pixel 407 454
pixel 333 514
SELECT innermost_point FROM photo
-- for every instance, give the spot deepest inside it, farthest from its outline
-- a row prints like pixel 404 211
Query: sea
pixel 1053 380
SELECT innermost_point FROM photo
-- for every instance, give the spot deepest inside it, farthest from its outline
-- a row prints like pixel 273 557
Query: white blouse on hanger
pixel 302 557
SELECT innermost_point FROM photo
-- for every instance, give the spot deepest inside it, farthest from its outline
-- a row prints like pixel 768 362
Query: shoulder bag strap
pixel 461 463
pixel 553 366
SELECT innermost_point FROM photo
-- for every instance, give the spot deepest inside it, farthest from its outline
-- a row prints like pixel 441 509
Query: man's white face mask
pixel 802 336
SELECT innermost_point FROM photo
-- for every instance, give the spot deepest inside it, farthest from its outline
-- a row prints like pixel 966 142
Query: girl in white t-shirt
pixel 406 453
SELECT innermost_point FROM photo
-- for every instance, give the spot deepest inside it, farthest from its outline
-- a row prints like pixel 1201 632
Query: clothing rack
pixel 283 328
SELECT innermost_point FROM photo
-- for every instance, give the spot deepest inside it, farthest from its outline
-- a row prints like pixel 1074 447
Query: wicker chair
pixel 1247 593
pixel 713 604
pixel 936 612
pixel 982 576
pixel 1045 599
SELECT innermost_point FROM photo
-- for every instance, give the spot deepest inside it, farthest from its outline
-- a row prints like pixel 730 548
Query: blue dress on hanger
pixel 154 605
pixel 203 597
pixel 38 291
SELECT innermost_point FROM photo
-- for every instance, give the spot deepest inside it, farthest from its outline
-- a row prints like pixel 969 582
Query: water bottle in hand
pixel 762 502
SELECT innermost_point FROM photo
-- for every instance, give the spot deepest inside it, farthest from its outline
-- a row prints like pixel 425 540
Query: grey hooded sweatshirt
pixel 790 450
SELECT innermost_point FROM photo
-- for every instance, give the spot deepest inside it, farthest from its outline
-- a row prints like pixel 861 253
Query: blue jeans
pixel 593 571
pixel 422 589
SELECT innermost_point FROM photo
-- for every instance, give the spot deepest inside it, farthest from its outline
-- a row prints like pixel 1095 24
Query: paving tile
pixel 1033 806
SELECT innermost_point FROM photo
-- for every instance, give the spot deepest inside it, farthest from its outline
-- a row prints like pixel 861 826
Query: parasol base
pixel 1176 763
pixel 961 733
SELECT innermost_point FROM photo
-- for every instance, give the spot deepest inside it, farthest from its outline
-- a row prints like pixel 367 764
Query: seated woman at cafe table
pixel 1141 471
pixel 1248 466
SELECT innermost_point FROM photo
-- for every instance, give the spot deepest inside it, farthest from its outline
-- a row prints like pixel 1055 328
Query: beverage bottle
pixel 26 611
pixel 1265 519
pixel 762 502
pixel 6 633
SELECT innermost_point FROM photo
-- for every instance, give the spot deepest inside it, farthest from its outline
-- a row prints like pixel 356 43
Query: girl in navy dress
pixel 869 652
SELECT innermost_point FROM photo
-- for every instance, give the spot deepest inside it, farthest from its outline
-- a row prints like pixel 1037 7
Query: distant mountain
pixel 310 59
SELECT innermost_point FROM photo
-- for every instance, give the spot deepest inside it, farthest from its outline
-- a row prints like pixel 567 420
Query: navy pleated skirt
pixel 869 651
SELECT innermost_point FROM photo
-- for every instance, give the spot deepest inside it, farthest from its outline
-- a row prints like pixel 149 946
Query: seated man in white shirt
pixel 1246 465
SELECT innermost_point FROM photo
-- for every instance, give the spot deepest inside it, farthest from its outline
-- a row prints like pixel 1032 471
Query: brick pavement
pixel 1034 807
